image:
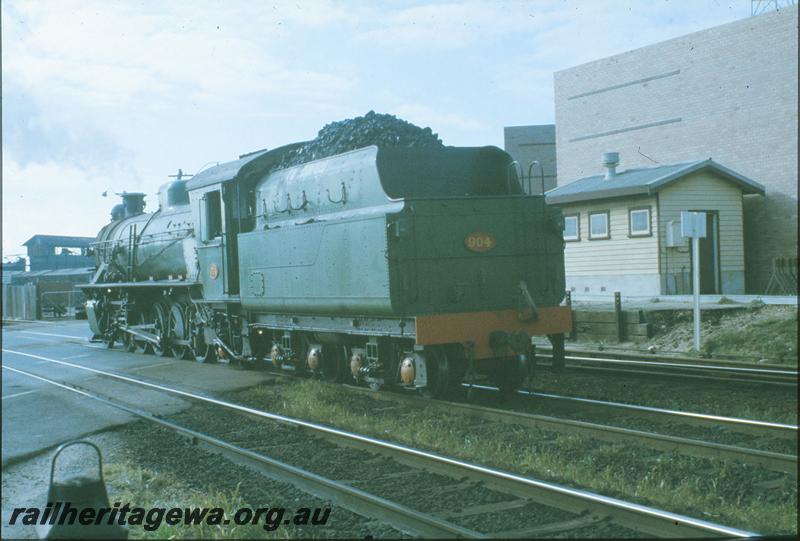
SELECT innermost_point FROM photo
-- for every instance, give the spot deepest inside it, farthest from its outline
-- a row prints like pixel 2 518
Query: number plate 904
pixel 479 242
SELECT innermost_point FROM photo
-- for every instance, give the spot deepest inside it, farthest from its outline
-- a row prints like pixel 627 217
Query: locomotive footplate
pixel 144 283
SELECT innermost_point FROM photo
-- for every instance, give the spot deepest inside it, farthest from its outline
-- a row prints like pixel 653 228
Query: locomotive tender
pixel 394 266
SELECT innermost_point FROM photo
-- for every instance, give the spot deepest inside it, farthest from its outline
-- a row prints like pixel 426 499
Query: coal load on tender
pixel 371 129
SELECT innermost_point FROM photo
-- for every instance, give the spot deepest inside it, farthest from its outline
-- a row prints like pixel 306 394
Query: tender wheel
pixel 179 330
pixel 509 375
pixel 439 374
pixel 202 352
pixel 328 363
pixel 335 365
pixel 161 329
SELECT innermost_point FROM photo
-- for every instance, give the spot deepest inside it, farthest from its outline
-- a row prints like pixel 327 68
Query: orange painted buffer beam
pixel 477 326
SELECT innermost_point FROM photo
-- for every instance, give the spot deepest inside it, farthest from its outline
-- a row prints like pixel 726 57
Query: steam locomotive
pixel 408 267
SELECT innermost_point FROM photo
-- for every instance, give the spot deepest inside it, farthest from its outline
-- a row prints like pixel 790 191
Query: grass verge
pixel 714 490
pixel 147 489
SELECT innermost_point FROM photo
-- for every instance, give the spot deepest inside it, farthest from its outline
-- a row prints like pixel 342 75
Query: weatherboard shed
pixel 622 228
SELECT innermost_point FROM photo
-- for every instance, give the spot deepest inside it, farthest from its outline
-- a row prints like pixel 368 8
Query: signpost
pixel 693 226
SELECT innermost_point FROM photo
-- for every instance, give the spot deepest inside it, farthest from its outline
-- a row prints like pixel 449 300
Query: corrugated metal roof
pixel 645 181
pixel 61 240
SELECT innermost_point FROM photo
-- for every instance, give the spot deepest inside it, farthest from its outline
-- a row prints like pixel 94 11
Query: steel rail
pixel 730 372
pixel 363 503
pixel 657 359
pixel 656 369
pixel 779 430
pixel 778 462
pixel 792 373
pixel 631 515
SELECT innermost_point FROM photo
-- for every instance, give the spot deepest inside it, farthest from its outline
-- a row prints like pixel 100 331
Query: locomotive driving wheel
pixel 134 343
pixel 200 349
pixel 161 329
pixel 179 330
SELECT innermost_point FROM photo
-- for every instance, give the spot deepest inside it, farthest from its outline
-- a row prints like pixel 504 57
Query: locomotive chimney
pixel 133 203
pixel 610 161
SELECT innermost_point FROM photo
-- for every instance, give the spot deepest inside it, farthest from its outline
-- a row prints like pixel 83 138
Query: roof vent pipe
pixel 610 161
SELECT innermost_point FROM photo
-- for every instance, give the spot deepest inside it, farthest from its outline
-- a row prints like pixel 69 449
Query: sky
pixel 115 96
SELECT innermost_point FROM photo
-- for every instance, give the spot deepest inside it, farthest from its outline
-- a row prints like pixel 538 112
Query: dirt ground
pixel 746 332
pixel 753 332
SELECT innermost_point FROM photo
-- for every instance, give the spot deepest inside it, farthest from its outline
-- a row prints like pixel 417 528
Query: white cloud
pixel 55 198
pixel 115 55
pixel 440 121
pixel 450 26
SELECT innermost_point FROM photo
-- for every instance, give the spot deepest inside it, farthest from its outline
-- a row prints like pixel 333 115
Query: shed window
pixel 572 227
pixel 639 222
pixel 598 225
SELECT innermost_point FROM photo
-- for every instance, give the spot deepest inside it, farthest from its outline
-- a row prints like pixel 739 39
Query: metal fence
pixel 20 302
pixel 60 303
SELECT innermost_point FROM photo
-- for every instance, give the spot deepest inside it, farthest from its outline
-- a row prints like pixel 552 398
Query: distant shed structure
pixel 48 252
pixel 622 229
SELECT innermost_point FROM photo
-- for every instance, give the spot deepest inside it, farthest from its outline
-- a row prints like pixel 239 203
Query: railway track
pixel 778 462
pixel 645 364
pixel 748 426
pixel 576 508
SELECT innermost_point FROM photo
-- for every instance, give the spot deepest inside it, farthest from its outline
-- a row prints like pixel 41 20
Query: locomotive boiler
pixel 154 246
pixel 408 267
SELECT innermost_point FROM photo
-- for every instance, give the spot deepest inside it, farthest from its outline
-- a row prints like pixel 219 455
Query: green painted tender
pixel 385 232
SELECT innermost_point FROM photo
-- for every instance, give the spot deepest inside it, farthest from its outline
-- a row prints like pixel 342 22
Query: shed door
pixel 709 255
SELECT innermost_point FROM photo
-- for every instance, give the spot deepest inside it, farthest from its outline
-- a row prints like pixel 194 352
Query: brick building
pixel 729 93
pixel 527 144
